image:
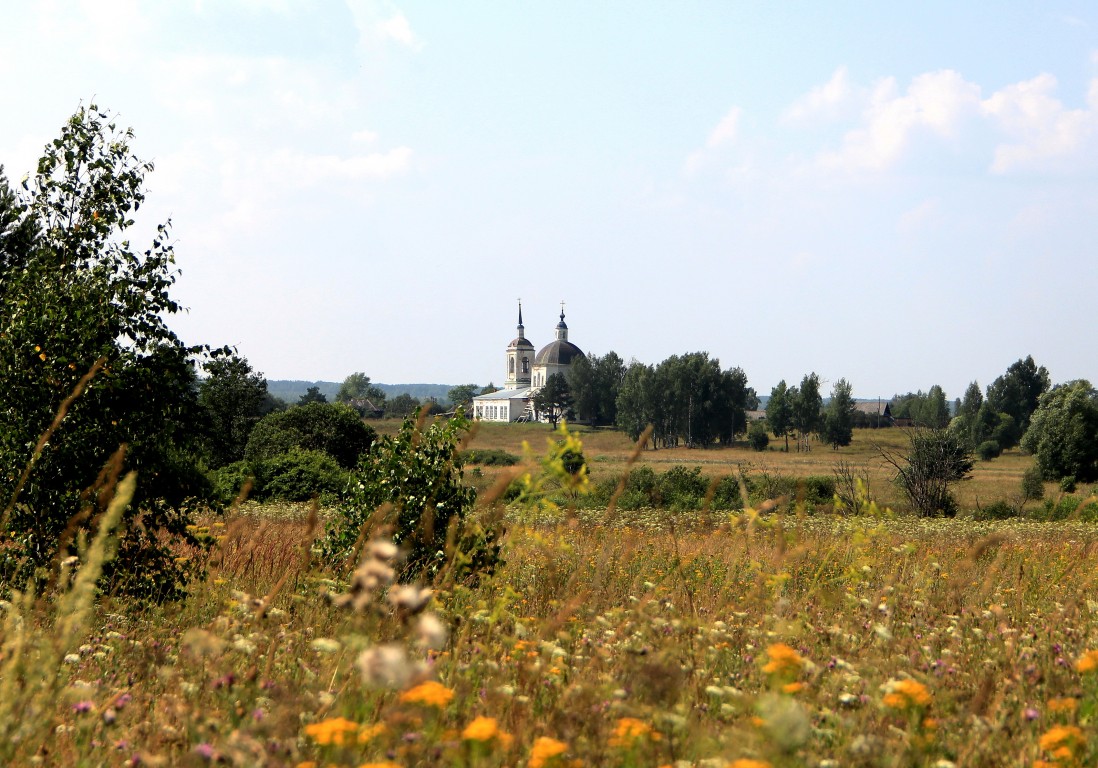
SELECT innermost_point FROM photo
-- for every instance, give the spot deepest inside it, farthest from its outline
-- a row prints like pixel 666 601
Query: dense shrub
pixel 300 475
pixel 817 489
pixel 335 429
pixel 757 437
pixel 229 480
pixel 489 457
pixel 999 510
pixel 1067 484
pixel 419 473
pixel 988 450
pixel 1033 484
pixel 682 489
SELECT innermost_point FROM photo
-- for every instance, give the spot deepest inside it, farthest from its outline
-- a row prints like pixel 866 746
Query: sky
pixel 898 194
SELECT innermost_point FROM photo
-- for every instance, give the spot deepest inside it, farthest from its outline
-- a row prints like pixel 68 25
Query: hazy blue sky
pixel 900 194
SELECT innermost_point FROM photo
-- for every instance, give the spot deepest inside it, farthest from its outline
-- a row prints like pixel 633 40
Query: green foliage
pixel 1033 484
pixel 757 437
pixel 334 429
pixel 779 412
pixel 489 457
pixel 418 474
pixel 554 400
pixel 1017 393
pixel 934 460
pixel 999 510
pixel 78 300
pixel 1068 484
pixel 462 394
pixel 312 395
pixel 595 382
pixel 928 410
pixel 988 450
pixel 806 405
pixel 1063 432
pixel 401 405
pixel 838 422
pixel 357 388
pixel 300 475
pixel 229 480
pixel 235 399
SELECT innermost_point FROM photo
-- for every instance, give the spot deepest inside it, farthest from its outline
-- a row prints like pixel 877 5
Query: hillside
pixel 290 390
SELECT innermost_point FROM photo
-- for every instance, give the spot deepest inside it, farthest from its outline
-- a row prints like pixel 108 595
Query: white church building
pixel 526 374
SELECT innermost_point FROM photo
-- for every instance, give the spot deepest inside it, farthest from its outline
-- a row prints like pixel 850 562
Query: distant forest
pixel 291 391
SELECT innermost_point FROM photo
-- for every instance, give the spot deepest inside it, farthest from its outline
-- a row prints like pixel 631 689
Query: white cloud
pixel 823 101
pixel 935 103
pixel 921 217
pixel 1041 129
pixel 379 21
pixel 723 134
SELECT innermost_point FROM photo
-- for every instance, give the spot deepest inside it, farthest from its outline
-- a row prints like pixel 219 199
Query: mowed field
pixel 608 452
pixel 763 640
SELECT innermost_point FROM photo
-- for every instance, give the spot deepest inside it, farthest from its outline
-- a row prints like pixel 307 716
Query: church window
pixel 510 365
pixel 525 365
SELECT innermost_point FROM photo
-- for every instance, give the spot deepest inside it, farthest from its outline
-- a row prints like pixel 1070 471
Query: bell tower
pixel 520 358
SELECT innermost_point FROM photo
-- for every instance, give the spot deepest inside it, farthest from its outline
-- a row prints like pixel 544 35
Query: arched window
pixel 510 365
pixel 525 365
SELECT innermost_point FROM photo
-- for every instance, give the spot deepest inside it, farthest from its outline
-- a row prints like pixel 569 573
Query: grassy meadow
pixel 761 639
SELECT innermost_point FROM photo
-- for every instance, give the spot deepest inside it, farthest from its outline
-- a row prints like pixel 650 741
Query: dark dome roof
pixel 560 352
pixel 522 342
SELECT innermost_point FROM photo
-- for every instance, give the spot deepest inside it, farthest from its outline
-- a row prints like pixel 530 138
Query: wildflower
pixel 1088 662
pixel 481 729
pixel 1062 705
pixel 431 632
pixel 368 733
pixel 335 730
pixel 430 693
pixel 746 762
pixel 544 750
pixel 793 687
pixel 409 598
pixel 628 730
pixel 385 666
pixel 1059 737
pixel 904 694
pixel 384 764
pixel 83 706
pixel 783 659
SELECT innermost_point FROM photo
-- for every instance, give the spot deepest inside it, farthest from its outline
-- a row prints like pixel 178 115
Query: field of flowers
pixel 752 640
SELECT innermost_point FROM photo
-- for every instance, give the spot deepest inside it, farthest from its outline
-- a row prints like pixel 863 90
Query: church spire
pixel 562 327
pixel 521 329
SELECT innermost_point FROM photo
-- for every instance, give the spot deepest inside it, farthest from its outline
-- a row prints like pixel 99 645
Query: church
pixel 526 374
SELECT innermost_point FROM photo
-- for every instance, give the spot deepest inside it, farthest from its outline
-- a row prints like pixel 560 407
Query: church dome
pixel 520 343
pixel 559 352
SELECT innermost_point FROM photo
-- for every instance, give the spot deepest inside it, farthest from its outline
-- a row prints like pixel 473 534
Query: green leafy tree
pixel 807 405
pixel 357 387
pixel 1063 432
pixel 838 423
pixel 235 398
pixel 401 405
pixel 79 300
pixel 418 474
pixel 779 412
pixel 1018 393
pixel 634 401
pixel 935 459
pixel 327 427
pixel 554 400
pixel 757 437
pixel 312 395
pixel 462 394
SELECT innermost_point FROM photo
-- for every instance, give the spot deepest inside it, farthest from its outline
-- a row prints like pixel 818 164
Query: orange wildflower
pixel 544 750
pixel 481 729
pixel 1088 662
pixel 1063 705
pixel 746 762
pixel 628 730
pixel 430 693
pixel 1060 736
pixel 369 732
pixel 793 687
pixel 904 694
pixel 783 659
pixel 334 730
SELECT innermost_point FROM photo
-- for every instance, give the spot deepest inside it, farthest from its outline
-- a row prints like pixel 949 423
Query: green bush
pixel 999 510
pixel 817 489
pixel 1067 484
pixel 757 437
pixel 1033 484
pixel 682 489
pixel 418 472
pixel 300 475
pixel 489 457
pixel 335 429
pixel 727 496
pixel 988 450
pixel 229 480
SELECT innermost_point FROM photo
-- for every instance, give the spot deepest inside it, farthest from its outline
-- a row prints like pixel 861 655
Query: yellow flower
pixel 793 687
pixel 783 659
pixel 335 730
pixel 628 730
pixel 430 693
pixel 904 694
pixel 746 762
pixel 1060 736
pixel 1062 705
pixel 385 764
pixel 545 749
pixel 1088 662
pixel 481 729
